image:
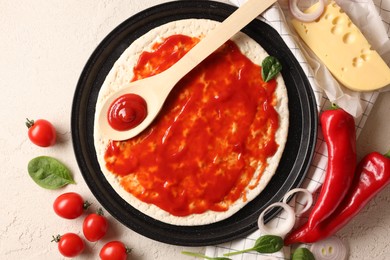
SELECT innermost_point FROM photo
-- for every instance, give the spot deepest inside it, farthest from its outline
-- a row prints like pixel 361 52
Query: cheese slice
pixel 344 50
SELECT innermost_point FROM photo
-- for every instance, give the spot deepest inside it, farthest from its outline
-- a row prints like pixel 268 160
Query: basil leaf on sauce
pixel 270 67
pixel 302 254
pixel 49 173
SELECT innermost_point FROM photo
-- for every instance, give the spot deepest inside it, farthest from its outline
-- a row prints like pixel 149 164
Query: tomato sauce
pixel 217 127
pixel 127 112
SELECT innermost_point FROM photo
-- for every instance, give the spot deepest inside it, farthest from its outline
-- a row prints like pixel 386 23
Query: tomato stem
pixel 86 204
pixel 100 212
pixel 29 123
pixel 56 238
pixel 387 154
pixel 128 250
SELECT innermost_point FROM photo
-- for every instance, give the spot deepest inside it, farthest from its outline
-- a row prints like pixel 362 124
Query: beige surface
pixel 44 46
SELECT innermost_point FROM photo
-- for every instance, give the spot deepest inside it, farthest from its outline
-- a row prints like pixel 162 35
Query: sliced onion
pixel 306 17
pixel 331 248
pixel 307 196
pixel 284 226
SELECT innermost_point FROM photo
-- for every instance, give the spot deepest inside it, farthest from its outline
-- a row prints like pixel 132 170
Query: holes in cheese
pixel 344 50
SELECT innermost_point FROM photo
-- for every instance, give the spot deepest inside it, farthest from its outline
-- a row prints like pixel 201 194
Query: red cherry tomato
pixel 114 250
pixel 41 132
pixel 69 205
pixel 95 226
pixel 70 244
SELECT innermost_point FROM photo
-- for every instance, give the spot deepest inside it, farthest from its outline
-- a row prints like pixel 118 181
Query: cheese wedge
pixel 344 50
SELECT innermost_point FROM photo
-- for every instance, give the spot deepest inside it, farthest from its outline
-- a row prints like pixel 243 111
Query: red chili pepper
pixel 372 176
pixel 338 128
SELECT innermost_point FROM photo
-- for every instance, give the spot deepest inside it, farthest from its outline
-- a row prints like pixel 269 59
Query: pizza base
pixel 122 73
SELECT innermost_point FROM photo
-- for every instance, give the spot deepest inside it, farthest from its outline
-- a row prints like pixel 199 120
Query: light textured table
pixel 44 46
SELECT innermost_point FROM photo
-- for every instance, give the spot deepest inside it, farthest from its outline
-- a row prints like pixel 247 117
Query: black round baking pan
pixel 294 162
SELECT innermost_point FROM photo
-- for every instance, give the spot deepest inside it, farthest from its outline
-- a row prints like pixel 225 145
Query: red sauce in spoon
pixel 127 112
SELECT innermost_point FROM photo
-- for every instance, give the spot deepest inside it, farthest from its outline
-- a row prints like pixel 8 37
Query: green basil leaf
pixel 268 244
pixel 264 244
pixel 49 173
pixel 270 67
pixel 302 254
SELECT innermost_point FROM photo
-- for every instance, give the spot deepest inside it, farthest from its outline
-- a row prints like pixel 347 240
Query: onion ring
pixel 284 227
pixel 306 17
pixel 331 248
pixel 307 195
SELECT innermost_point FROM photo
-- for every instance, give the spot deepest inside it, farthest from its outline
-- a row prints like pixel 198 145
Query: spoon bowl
pixel 155 89
pixel 147 93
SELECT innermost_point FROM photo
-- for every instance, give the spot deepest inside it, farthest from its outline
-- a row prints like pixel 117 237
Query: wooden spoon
pixel 154 90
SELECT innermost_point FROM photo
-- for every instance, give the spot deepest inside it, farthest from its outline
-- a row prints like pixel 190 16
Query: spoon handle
pixel 217 37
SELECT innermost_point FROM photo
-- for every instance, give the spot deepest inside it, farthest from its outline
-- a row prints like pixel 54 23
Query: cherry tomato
pixel 69 244
pixel 41 132
pixel 95 226
pixel 69 205
pixel 114 250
